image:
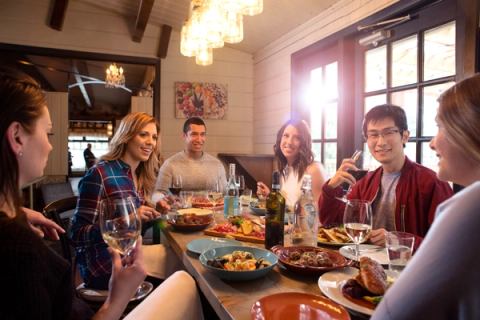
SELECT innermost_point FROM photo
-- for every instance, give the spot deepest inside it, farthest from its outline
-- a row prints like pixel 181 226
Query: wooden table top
pixel 233 300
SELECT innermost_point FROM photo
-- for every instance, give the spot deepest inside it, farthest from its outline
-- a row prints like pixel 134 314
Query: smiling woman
pixel 128 169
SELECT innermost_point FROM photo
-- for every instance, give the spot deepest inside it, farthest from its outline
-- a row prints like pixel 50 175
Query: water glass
pixel 186 198
pixel 399 247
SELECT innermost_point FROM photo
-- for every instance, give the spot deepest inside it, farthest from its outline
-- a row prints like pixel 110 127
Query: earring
pixel 20 154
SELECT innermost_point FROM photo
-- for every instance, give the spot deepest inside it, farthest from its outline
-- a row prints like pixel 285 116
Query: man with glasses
pixel 198 169
pixel 403 194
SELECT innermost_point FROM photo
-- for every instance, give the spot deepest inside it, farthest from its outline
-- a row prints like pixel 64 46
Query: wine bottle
pixel 275 215
pixel 231 200
pixel 305 219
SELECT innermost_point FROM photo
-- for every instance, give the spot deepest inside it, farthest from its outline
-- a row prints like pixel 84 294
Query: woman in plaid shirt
pixel 128 169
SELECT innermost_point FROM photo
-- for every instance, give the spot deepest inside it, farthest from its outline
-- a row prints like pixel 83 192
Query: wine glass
pixel 215 194
pixel 357 174
pixel 240 182
pixel 357 220
pixel 120 226
pixel 176 185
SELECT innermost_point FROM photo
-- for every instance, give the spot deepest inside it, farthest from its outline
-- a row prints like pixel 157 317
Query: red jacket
pixel 418 193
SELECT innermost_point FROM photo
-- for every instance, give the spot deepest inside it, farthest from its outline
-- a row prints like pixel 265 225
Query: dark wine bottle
pixel 275 215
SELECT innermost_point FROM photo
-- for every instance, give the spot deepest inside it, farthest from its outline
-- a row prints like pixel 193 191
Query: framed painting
pixel 201 99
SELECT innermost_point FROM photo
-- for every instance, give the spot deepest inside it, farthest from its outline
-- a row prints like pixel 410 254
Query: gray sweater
pixel 197 174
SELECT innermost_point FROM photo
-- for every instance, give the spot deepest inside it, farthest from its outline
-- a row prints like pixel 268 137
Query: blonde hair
pixel 129 127
pixel 459 113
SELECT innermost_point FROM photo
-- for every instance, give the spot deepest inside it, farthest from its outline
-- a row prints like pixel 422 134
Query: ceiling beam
pixel 79 67
pixel 58 14
pixel 164 41
pixel 144 10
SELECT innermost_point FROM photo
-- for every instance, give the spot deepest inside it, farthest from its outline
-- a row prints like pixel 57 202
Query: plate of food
pixel 239 228
pixel 335 236
pixel 101 295
pixel 309 260
pixel 357 290
pixel 188 221
pixel 238 263
pixel 296 306
pixel 377 253
pixel 201 201
pixel 201 245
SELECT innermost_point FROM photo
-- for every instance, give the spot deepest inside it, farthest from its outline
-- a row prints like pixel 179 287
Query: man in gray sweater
pixel 198 169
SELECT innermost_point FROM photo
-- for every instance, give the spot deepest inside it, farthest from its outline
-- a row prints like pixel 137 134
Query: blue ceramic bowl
pixel 239 275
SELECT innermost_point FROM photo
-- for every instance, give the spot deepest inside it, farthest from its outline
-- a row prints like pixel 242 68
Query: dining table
pixel 231 299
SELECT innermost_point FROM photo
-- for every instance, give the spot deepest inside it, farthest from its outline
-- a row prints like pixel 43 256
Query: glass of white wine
pixel 120 226
pixel 357 220
pixel 215 195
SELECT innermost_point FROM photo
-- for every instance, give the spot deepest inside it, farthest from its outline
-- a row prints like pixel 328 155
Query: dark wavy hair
pixel 21 100
pixel 305 155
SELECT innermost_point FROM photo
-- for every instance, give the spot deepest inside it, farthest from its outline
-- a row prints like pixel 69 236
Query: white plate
pixel 201 245
pixel 331 283
pixel 101 295
pixel 376 253
pixel 197 211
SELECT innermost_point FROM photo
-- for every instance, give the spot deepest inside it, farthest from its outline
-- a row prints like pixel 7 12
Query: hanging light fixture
pixel 211 23
pixel 114 77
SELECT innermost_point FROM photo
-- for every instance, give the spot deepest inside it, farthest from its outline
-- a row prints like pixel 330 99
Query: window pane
pixel 331 81
pixel 439 60
pixel 373 101
pixel 411 150
pixel 376 69
pixel 330 162
pixel 429 157
pixel 317 151
pixel 408 100
pixel 369 161
pixel 404 61
pixel 430 104
pixel 331 120
pixel 315 104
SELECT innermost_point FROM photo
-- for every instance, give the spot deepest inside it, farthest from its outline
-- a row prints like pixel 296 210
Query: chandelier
pixel 211 23
pixel 114 77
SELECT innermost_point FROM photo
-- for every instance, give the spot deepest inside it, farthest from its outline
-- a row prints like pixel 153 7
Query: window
pixel 323 106
pixel 411 72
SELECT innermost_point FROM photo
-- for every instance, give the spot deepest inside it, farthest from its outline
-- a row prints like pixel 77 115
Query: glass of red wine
pixel 240 182
pixel 357 174
pixel 175 188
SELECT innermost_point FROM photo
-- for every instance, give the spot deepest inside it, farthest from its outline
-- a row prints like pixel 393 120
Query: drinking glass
pixel 215 194
pixel 186 198
pixel 240 182
pixel 357 174
pixel 176 185
pixel 357 220
pixel 399 247
pixel 120 226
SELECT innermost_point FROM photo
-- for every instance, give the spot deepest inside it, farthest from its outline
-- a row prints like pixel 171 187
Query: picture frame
pixel 201 99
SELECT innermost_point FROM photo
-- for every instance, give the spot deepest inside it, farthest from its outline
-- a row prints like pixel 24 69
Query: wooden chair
pixel 60 211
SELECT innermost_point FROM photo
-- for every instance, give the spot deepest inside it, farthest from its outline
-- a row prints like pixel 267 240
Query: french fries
pixel 333 235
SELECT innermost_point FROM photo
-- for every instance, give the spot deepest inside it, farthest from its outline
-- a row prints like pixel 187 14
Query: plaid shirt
pixel 104 180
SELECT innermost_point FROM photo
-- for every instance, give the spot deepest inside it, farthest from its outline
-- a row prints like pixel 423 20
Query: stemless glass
pixel 357 220
pixel 120 226
pixel 240 182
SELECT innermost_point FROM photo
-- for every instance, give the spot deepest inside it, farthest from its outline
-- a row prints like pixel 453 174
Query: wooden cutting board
pixel 236 236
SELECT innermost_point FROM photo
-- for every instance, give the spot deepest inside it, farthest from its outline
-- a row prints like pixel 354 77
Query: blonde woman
pixel 441 280
pixel 128 169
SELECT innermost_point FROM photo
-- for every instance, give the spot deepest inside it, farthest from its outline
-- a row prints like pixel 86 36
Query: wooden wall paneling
pixel 57 103
pixel 142 104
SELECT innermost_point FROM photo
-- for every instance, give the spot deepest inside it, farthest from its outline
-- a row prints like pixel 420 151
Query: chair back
pixel 61 211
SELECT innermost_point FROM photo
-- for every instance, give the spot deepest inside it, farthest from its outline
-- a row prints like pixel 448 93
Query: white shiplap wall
pixel 88 28
pixel 230 67
pixel 272 65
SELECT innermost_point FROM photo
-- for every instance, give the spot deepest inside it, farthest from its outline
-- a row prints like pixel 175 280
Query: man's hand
pixel 42 225
pixel 342 175
pixel 378 236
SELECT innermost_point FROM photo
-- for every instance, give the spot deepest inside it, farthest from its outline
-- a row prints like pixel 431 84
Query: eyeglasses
pixel 388 133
